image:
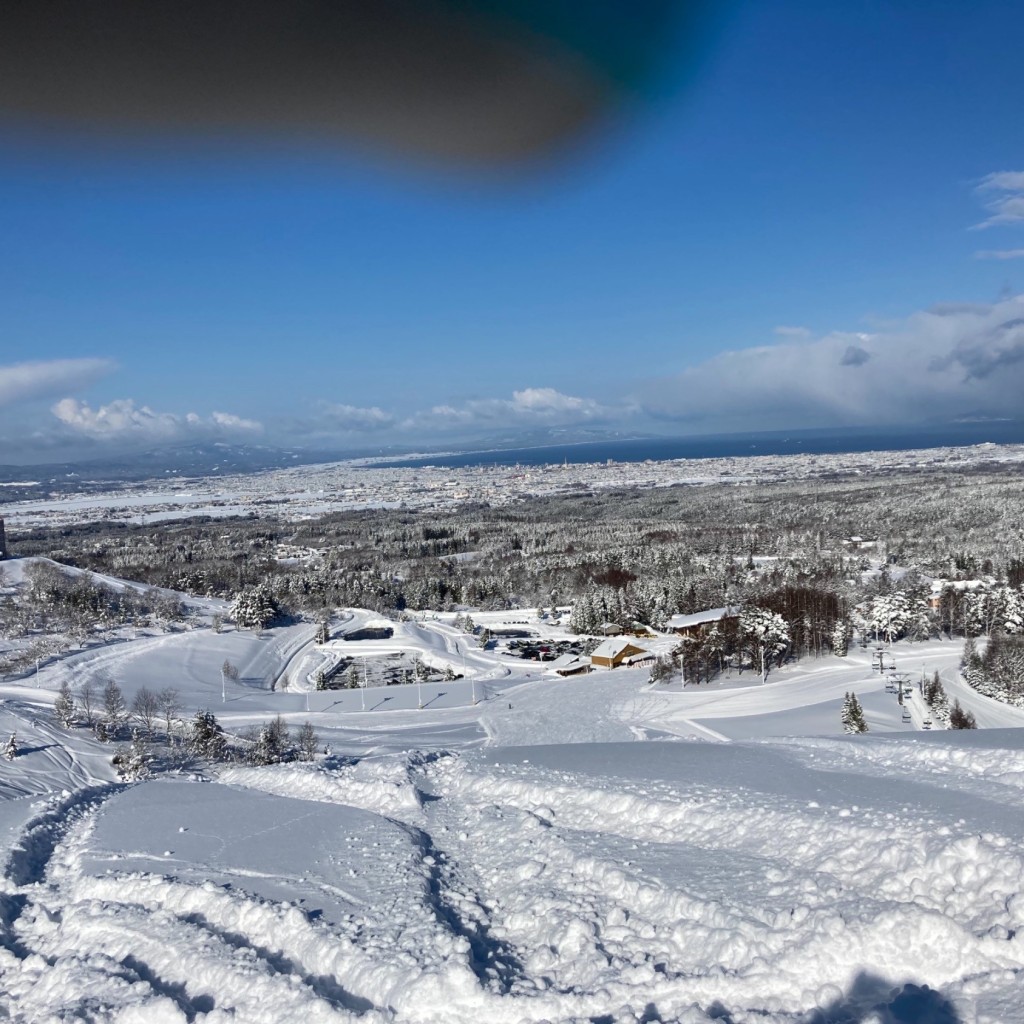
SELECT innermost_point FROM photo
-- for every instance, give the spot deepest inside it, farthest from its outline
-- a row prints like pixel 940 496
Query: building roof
pixel 565 661
pixel 614 646
pixel 702 618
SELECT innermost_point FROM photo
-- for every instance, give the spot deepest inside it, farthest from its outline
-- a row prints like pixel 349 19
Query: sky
pixel 819 224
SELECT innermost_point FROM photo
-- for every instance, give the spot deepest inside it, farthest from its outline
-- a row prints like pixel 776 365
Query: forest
pixel 632 557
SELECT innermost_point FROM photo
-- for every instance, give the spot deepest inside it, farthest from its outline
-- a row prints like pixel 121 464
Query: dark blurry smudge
pixel 466 81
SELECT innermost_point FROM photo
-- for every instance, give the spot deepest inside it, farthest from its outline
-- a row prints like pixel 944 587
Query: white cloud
pixel 229 421
pixel 529 407
pixel 356 419
pixel 1006 202
pixel 22 382
pixel 941 364
pixel 999 254
pixel 123 420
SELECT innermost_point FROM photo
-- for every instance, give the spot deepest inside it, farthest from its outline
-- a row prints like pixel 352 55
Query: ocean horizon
pixel 659 449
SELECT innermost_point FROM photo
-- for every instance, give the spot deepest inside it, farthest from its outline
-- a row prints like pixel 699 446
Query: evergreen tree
pixel 11 750
pixel 255 607
pixel 206 739
pixel 260 751
pixel 133 761
pixel 841 638
pixel 852 715
pixel 961 719
pixel 307 741
pixel 64 706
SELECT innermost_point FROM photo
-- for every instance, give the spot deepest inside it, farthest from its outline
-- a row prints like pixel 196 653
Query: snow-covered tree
pixel 11 750
pixel 133 760
pixel 853 715
pixel 765 635
pixel 935 697
pixel 206 738
pixel 64 709
pixel 307 742
pixel 889 615
pixel 269 743
pixel 255 607
pixel 841 633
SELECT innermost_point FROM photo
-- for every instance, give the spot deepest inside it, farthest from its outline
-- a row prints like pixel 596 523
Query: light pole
pixel 223 686
pixel 419 685
pixel 362 689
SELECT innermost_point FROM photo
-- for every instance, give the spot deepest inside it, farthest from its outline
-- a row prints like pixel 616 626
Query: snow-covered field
pixel 586 849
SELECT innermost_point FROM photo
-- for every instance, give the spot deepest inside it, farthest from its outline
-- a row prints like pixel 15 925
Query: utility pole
pixel 419 685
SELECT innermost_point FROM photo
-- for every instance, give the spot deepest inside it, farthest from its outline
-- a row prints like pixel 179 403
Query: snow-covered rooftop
pixel 701 618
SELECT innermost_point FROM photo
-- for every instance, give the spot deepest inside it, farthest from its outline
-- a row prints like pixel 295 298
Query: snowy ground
pixel 587 849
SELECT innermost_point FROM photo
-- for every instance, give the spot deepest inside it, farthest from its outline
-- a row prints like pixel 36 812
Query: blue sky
pixel 788 239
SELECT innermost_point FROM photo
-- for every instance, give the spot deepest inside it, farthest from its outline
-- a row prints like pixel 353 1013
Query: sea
pixel 815 442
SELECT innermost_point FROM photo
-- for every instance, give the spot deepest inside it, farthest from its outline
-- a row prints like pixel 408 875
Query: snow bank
pixel 382 785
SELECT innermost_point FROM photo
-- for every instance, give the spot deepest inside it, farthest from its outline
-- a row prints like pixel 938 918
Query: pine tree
pixel 133 761
pixel 11 750
pixel 308 742
pixel 205 736
pixel 64 706
pixel 961 719
pixel 841 638
pixel 260 752
pixel 255 607
pixel 852 715
pixel 857 715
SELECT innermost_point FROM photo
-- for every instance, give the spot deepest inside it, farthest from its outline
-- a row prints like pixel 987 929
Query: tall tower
pixel 3 541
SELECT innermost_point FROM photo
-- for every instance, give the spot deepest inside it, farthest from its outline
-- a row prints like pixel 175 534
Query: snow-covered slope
pixel 587 849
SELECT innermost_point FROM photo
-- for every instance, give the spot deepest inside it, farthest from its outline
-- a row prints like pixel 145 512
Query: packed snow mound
pixel 382 785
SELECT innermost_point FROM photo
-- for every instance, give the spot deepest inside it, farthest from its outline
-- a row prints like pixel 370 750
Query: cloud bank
pixel 122 420
pixel 946 363
pixel 23 382
pixel 531 407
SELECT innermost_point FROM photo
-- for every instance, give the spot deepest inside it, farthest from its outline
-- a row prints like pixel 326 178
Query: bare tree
pixel 146 708
pixel 114 708
pixel 87 699
pixel 170 707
